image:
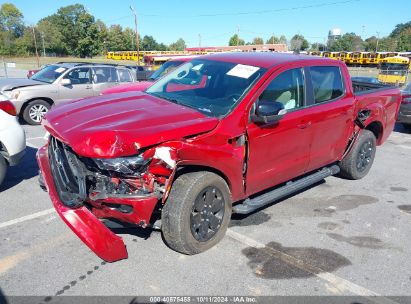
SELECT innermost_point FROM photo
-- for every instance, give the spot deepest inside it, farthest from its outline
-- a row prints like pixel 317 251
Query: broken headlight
pixel 123 165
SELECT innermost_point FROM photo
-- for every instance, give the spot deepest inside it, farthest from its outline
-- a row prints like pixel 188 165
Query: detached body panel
pixel 104 243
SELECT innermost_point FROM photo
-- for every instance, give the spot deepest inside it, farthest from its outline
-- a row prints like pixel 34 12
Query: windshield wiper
pixel 166 98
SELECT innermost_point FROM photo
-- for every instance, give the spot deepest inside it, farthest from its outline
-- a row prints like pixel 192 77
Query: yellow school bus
pixel 116 56
pixel 343 56
pixel 331 55
pixel 315 53
pixel 109 55
pixel 394 70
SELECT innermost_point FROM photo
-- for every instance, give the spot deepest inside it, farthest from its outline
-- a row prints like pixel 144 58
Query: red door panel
pixel 278 152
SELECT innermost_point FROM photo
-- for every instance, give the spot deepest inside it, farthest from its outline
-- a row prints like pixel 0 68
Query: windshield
pixel 49 74
pixel 211 87
pixel 394 69
pixel 164 69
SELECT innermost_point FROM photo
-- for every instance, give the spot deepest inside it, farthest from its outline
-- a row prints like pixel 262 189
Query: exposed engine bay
pixel 105 185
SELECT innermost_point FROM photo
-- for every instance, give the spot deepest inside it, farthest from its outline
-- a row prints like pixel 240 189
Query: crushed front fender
pixel 104 243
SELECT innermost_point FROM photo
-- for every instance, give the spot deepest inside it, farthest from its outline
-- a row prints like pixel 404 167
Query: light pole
pixel 42 40
pixel 137 40
pixel 35 46
pixel 238 36
pixel 378 39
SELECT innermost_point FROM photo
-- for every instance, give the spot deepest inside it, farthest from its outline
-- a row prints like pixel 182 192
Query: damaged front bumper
pixel 83 217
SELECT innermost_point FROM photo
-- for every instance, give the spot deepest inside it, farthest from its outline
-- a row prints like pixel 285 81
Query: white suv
pixel 12 137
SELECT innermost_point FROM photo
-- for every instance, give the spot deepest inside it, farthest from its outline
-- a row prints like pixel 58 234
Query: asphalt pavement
pixel 340 237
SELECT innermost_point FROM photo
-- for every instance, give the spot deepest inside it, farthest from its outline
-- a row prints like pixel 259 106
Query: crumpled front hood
pixel 134 86
pixel 119 125
pixel 14 83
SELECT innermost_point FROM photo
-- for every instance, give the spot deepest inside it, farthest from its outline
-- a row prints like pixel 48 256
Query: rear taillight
pixel 8 107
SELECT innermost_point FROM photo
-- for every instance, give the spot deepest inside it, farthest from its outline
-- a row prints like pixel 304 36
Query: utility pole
pixel 378 39
pixel 199 42
pixel 238 35
pixel 42 40
pixel 272 42
pixel 35 46
pixel 137 40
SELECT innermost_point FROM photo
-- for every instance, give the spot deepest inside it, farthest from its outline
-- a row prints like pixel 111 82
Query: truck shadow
pixel 26 169
pixel 3 299
pixel 118 227
pixel 244 219
pixel 400 128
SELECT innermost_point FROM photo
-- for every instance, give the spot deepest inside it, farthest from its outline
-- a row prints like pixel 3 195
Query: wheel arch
pixel 46 99
pixel 189 168
pixel 376 127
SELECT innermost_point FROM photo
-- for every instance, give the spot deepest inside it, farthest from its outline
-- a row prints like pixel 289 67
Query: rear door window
pixel 105 74
pixel 124 75
pixel 327 83
pixel 79 76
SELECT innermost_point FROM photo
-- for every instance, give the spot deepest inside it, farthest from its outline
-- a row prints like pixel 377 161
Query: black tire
pixel 181 213
pixel 358 162
pixel 34 110
pixel 407 126
pixel 3 169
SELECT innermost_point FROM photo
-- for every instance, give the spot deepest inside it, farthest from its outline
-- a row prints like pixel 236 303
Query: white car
pixel 12 137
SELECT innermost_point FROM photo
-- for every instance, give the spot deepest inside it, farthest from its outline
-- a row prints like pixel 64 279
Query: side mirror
pixel 268 112
pixel 65 82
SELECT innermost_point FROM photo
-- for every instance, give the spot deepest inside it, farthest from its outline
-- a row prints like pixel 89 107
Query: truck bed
pixel 360 88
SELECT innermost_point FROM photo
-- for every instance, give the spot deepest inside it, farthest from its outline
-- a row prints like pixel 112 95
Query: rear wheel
pixel 35 110
pixel 357 163
pixel 3 168
pixel 197 212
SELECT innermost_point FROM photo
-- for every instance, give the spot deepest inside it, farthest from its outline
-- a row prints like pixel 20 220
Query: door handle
pixel 89 87
pixel 304 125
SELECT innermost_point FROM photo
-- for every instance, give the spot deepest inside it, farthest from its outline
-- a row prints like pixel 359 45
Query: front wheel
pixel 3 168
pixel 35 110
pixel 357 163
pixel 197 212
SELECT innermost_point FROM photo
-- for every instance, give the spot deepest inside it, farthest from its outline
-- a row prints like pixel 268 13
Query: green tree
pixel 258 40
pixel 399 28
pixel 179 45
pixel 149 44
pixel 87 35
pixel 11 19
pixel 115 41
pixel 299 43
pixel 235 40
pixel 401 36
pixel 318 47
pixel 129 38
pixel 349 42
pixel 370 44
pixel 272 40
pixel 162 47
pixel 283 39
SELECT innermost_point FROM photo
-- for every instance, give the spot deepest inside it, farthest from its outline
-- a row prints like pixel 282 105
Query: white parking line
pixel 38 137
pixel 32 146
pixel 27 218
pixel 342 285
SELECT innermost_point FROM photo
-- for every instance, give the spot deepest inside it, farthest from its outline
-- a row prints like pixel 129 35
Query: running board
pixel 252 204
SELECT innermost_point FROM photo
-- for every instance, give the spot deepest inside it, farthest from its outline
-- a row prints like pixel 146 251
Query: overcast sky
pixel 217 20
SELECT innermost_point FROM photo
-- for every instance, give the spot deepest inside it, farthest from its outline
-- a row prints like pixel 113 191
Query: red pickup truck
pixel 220 134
